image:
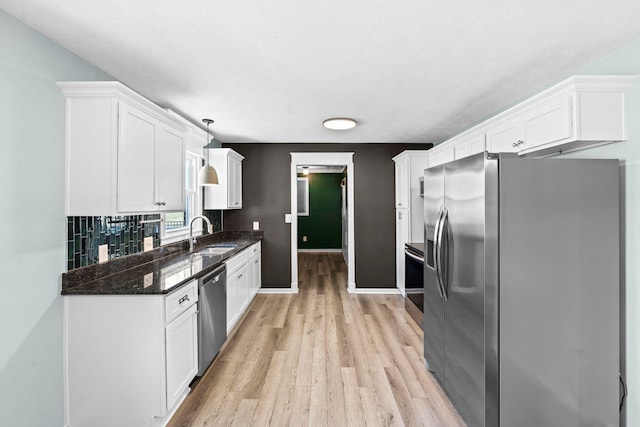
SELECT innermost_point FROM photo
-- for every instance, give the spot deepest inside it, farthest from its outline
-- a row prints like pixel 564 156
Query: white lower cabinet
pixel 129 359
pixel 243 282
pixel 182 355
pixel 255 271
pixel 402 236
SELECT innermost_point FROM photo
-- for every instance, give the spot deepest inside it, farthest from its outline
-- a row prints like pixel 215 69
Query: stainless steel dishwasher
pixel 212 316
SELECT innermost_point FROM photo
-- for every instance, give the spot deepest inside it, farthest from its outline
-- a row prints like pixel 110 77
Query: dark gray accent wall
pixel 267 198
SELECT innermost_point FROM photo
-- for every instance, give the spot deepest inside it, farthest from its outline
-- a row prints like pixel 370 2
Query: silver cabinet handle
pixel 518 143
pixel 183 299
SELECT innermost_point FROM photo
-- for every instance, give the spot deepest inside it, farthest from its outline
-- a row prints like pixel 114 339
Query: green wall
pixel 626 60
pixel 323 226
pixel 32 222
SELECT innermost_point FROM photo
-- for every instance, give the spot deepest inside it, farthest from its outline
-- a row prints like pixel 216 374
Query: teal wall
pixel 323 226
pixel 32 222
pixel 626 60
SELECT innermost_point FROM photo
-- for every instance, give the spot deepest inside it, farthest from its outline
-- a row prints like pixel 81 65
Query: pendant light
pixel 207 175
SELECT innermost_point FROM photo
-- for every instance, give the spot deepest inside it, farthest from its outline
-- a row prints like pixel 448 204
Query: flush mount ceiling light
pixel 207 175
pixel 339 123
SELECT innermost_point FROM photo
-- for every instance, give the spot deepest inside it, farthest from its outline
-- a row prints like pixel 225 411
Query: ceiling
pixel 407 71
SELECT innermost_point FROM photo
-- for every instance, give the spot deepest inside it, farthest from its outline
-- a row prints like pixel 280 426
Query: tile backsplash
pixel 124 235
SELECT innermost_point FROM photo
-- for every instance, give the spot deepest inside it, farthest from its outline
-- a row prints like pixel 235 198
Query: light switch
pixel 148 243
pixel 256 225
pixel 103 253
pixel 304 238
pixel 287 218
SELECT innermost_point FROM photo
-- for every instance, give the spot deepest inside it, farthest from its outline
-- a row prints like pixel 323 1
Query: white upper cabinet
pixel 169 190
pixel 228 193
pixel 410 166
pixel 441 153
pixel 581 111
pixel 402 181
pixel 124 154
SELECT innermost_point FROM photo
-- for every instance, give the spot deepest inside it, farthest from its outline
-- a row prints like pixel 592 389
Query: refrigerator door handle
pixel 440 267
pixel 436 251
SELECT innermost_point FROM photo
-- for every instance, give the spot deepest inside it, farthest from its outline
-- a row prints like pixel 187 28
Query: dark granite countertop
pixel 160 271
pixel 417 248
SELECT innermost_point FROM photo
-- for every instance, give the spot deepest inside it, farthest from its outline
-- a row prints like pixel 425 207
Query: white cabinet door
pixel 402 184
pixel 256 265
pixel 136 146
pixel 228 193
pixel 235 183
pixel 254 270
pixel 169 169
pixel 402 237
pixel 469 146
pixel 181 354
pixel 550 122
pixel 506 137
pixel 237 295
pixel 440 155
pixel 232 300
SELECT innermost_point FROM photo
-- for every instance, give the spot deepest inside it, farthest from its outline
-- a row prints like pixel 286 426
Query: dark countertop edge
pixel 418 248
pixel 248 238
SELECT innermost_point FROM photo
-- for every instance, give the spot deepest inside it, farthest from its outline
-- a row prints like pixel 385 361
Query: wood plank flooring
pixel 323 357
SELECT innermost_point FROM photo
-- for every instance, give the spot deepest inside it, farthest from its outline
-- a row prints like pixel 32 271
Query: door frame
pixel 329 159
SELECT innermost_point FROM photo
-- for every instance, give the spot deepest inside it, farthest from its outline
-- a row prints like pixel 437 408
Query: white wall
pixel 32 222
pixel 626 60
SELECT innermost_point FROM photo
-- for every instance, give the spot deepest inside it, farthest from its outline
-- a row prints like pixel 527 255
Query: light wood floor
pixel 323 357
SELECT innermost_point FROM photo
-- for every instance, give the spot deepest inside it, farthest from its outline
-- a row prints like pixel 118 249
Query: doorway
pixel 326 159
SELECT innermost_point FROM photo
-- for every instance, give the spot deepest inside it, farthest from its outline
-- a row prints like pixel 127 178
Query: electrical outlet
pixel 304 238
pixel 148 243
pixel 103 253
pixel 256 225
pixel 148 280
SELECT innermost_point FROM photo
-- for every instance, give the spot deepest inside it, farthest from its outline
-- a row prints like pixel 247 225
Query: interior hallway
pixel 323 357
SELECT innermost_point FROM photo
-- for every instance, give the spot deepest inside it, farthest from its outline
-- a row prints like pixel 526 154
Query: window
pixel 176 224
pixel 303 196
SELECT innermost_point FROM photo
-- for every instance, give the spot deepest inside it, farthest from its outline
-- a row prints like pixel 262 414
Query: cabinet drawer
pixel 178 301
pixel 236 262
pixel 254 249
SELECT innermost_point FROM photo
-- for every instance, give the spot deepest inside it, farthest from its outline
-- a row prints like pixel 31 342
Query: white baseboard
pixel 320 250
pixel 277 291
pixel 377 291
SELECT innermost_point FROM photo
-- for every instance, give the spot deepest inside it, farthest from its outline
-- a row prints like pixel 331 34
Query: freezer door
pixel 433 319
pixel 463 240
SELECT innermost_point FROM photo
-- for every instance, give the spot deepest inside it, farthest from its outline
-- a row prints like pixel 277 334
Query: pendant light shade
pixel 208 174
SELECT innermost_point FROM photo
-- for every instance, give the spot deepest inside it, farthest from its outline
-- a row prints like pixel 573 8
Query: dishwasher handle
pixel 214 276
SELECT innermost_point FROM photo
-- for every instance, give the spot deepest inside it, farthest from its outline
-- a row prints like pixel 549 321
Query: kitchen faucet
pixel 192 240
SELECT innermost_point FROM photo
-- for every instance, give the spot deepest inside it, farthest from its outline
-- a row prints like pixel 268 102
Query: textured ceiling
pixel 407 71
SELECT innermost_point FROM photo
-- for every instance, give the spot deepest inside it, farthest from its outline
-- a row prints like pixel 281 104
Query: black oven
pixel 414 280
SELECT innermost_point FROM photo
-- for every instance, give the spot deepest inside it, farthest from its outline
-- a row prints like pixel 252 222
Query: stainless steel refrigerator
pixel 521 290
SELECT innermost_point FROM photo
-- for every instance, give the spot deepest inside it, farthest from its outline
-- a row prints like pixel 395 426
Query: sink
pixel 216 250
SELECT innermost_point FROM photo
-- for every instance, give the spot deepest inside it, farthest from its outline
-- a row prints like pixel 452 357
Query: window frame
pixel 305 179
pixel 182 233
